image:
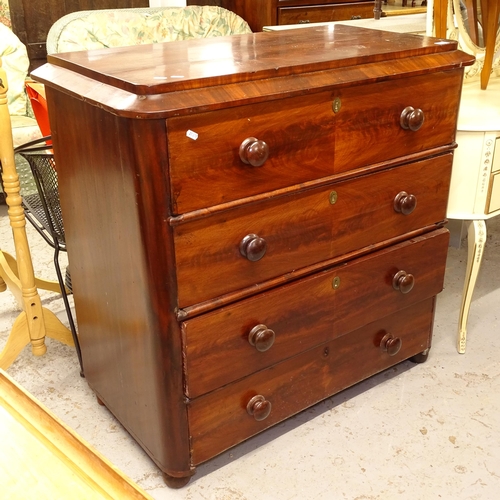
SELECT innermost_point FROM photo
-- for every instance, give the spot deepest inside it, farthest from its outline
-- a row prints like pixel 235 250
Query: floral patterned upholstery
pixel 99 29
pixel 5 13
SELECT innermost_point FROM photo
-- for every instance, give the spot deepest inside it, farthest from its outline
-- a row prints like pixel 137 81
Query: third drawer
pixel 292 318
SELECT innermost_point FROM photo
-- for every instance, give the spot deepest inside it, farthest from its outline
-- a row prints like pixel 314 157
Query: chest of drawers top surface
pixel 166 79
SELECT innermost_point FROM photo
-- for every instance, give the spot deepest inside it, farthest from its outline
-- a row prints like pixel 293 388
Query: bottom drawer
pixel 220 419
pixel 325 13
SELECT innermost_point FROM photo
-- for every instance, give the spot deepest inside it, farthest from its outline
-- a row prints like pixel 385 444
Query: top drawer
pixel 306 137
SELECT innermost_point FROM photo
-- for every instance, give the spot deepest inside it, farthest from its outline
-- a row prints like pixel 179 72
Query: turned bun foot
pixel 421 357
pixel 175 482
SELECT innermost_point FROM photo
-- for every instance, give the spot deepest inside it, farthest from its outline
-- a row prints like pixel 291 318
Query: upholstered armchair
pixel 15 63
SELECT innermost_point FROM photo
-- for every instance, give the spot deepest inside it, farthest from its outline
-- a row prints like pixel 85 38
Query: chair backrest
pixel 97 29
pixel 44 205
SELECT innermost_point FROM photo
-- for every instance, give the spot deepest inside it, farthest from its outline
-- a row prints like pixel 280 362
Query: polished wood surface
pixel 320 142
pixel 213 190
pixel 219 419
pixel 43 458
pixel 31 21
pixel 207 249
pixel 207 64
pixel 326 301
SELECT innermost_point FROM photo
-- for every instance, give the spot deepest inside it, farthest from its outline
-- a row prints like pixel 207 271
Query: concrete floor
pixel 429 431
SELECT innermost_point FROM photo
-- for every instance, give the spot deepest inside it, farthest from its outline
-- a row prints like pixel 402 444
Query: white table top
pixel 480 109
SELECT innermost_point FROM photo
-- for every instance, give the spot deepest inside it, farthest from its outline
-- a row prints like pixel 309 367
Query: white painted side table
pixel 475 181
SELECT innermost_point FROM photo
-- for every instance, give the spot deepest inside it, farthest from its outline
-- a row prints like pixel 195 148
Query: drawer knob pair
pixel 261 337
pixel 253 247
pixel 411 118
pixel 405 203
pixel 403 282
pixel 259 407
pixel 390 344
pixel 254 152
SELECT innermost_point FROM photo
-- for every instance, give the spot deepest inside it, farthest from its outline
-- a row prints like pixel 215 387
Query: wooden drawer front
pixel 307 140
pixel 305 228
pixel 220 419
pixel 325 13
pixel 330 301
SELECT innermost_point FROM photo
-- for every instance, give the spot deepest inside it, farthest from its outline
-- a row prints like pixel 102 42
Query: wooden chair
pixel 35 322
pixel 490 13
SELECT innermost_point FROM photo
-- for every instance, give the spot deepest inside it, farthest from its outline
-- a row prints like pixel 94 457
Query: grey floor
pixel 429 431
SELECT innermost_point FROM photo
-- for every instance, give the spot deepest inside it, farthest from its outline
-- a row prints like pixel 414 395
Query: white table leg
pixel 476 235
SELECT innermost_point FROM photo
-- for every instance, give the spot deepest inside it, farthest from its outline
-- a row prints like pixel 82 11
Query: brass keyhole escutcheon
pixel 336 283
pixel 336 105
pixel 333 197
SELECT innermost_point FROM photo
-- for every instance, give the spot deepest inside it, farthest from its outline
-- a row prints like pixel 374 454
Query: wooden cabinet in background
pixel 259 13
pixel 31 20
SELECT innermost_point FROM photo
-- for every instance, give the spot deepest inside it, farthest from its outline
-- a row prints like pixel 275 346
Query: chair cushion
pixel 15 63
pixel 117 28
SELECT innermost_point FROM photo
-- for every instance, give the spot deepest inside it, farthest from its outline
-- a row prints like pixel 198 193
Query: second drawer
pixel 228 251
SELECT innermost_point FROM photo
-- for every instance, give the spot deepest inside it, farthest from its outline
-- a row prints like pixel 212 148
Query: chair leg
pixel 64 294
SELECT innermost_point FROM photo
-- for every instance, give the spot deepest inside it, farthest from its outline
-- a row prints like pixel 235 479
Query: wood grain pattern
pixel 219 420
pixel 175 66
pixel 304 228
pixel 107 186
pixel 309 312
pixel 316 140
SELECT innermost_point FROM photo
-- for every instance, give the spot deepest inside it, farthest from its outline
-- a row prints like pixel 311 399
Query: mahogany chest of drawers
pixel 254 223
pixel 260 13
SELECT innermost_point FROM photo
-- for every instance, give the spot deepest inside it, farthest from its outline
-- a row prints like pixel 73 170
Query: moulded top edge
pixel 173 66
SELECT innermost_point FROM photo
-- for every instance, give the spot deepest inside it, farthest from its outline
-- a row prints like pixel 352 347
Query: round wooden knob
pixel 390 344
pixel 405 203
pixel 261 337
pixel 254 152
pixel 403 282
pixel 411 118
pixel 253 247
pixel 259 407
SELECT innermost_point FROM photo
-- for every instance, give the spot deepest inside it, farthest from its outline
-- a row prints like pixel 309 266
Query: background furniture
pixel 43 458
pixel 260 13
pixel 97 29
pixel 308 262
pixel 416 24
pixel 477 34
pixel 15 63
pixel 34 322
pixel 475 182
pixel 31 20
pixel 43 210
